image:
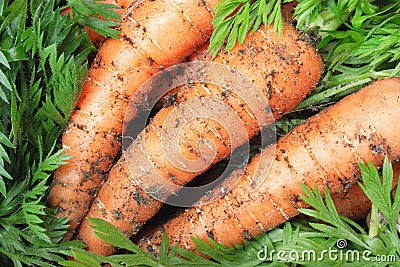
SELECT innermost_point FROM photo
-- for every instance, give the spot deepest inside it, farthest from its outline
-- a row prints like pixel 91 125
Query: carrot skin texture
pixel 92 136
pixel 123 203
pixel 352 204
pixel 325 151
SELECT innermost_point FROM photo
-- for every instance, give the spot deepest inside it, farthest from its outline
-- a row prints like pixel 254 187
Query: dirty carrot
pixel 285 69
pixel 324 151
pixel 154 35
pixel 352 204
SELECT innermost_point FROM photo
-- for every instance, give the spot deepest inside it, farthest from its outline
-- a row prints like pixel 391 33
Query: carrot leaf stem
pixel 374 222
pixel 379 191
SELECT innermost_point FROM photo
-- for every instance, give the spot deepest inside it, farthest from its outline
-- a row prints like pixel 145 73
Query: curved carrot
pixel 285 69
pixel 352 204
pixel 154 35
pixel 324 151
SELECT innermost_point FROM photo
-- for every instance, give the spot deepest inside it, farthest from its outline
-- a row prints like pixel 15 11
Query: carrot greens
pixel 43 60
pixel 364 47
pixel 234 19
pixel 358 39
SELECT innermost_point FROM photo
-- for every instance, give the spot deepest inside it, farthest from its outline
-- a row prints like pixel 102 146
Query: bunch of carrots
pixel 99 182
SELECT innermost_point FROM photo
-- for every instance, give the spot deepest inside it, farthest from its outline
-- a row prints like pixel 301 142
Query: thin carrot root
pixel 324 151
pixel 93 134
pixel 285 69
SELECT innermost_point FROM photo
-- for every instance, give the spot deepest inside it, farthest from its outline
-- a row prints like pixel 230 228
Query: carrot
pixel 352 204
pixel 285 69
pixel 324 151
pixel 154 35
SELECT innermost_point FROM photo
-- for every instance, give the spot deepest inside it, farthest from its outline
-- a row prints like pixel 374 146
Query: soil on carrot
pixel 219 171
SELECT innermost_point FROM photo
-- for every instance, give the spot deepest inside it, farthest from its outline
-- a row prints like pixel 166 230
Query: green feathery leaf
pixel 43 62
pixel 233 20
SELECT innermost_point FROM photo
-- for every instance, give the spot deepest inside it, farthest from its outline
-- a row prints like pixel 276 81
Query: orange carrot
pixel 154 35
pixel 324 151
pixel 285 69
pixel 352 204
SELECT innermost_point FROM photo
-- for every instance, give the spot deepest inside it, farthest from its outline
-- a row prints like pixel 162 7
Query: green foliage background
pixel 43 62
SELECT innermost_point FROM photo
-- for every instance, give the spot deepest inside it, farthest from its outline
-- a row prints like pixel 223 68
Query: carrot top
pixel 358 40
pixel 43 61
